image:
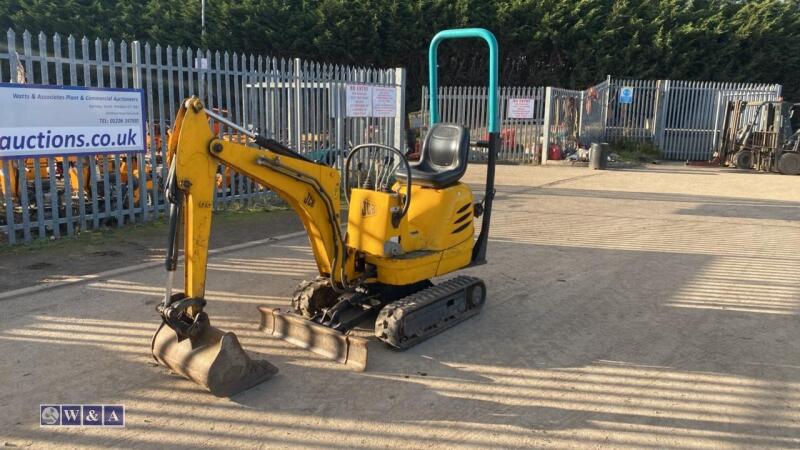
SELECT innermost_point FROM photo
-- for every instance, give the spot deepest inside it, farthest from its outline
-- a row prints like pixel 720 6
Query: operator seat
pixel 445 153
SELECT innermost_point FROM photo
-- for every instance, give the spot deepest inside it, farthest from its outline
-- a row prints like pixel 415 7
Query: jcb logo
pixel 367 208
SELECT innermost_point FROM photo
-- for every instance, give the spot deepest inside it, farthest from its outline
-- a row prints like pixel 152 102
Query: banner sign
pixel 520 108
pixel 363 100
pixel 38 120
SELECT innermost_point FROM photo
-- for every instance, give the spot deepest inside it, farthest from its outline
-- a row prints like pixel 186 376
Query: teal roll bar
pixel 494 56
pixel 493 146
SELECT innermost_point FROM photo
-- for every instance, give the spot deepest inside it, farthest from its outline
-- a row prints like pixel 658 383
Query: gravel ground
pixel 648 307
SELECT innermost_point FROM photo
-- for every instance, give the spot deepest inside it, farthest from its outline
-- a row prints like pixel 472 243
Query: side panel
pixel 439 236
pixel 408 270
pixel 420 266
pixel 455 258
pixel 439 219
pixel 369 224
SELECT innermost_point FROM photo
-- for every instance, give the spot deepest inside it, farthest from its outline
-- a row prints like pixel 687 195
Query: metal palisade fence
pixel 692 114
pixel 299 103
pixel 467 106
pixel 634 120
pixel 683 118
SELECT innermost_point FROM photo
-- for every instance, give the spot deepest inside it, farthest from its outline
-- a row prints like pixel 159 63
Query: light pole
pixel 203 19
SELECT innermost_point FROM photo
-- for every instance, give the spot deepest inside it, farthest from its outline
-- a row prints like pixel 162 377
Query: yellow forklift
pixel 405 225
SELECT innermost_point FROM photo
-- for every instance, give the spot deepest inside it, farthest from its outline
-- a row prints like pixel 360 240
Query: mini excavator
pixel 411 223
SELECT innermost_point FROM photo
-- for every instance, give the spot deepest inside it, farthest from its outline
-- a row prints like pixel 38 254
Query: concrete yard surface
pixel 655 307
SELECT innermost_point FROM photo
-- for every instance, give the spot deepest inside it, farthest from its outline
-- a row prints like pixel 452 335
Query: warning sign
pixel 384 101
pixel 363 100
pixel 520 108
pixel 359 100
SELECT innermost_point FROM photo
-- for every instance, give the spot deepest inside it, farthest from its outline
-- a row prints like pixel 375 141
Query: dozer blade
pixel 349 350
pixel 214 360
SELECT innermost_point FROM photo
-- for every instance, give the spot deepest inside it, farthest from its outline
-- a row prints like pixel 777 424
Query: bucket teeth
pixel 348 350
pixel 214 359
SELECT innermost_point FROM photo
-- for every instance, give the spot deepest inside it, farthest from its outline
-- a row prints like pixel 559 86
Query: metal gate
pixel 635 121
pixel 691 114
pixel 562 122
pixel 465 105
pixel 681 117
pixel 593 116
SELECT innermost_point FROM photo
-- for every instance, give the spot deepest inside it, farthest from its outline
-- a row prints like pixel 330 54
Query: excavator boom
pixel 310 189
pixel 186 342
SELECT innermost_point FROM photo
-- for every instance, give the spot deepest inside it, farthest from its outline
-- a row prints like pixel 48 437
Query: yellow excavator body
pixel 433 239
pixel 433 236
pixel 406 224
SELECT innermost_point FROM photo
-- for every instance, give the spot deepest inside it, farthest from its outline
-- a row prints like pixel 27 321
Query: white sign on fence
pixel 626 95
pixel 363 100
pixel 201 63
pixel 384 101
pixel 40 120
pixel 520 108
pixel 359 100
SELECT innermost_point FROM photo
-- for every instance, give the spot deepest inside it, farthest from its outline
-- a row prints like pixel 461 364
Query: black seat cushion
pixel 444 157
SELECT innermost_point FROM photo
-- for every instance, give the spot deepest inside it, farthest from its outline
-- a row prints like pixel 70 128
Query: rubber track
pixel 418 310
pixel 304 301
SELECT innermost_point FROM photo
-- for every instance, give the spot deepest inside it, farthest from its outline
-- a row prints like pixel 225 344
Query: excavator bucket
pixel 348 350
pixel 214 359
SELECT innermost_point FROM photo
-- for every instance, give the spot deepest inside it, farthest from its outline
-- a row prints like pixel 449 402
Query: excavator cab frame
pixel 493 125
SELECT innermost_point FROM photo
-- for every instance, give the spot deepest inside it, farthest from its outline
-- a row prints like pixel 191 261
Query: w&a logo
pixel 82 415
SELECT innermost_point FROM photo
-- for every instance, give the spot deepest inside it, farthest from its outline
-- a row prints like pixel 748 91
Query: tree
pixel 566 43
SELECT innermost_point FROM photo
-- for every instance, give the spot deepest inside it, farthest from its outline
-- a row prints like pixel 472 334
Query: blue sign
pixel 71 415
pixel 114 415
pixel 626 95
pixel 82 415
pixel 92 415
pixel 49 415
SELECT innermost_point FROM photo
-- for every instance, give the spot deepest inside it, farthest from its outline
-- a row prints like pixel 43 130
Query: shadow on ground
pixel 609 353
pixel 613 320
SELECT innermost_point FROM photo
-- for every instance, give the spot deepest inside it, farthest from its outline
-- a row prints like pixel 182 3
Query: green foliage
pixel 567 43
pixel 636 151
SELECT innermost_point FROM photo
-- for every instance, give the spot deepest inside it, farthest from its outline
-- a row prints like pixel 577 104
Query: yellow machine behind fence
pixel 406 224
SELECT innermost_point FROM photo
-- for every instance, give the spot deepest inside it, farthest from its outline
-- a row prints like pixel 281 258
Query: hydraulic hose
pixel 395 217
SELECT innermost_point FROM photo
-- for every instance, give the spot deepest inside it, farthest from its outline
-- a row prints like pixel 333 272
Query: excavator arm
pixel 186 342
pixel 310 189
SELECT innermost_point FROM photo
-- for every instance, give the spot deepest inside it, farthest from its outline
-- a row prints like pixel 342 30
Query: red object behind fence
pixel 554 152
